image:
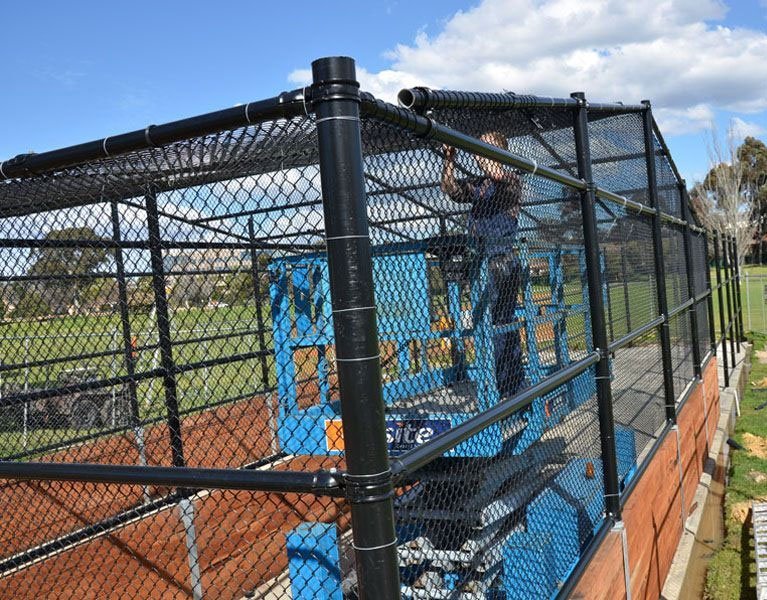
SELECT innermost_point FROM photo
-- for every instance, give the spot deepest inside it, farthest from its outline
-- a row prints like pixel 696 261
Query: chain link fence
pixel 324 346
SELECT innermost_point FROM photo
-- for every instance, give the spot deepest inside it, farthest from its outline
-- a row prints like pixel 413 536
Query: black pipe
pixel 682 307
pixel 259 303
pixel 286 105
pixel 710 298
pixel 660 267
pixel 129 359
pixel 597 311
pixel 624 277
pixel 421 99
pixel 324 483
pixel 738 298
pixel 410 461
pixel 729 293
pixel 722 327
pixel 335 92
pixel 163 329
pixel 690 267
pixel 733 259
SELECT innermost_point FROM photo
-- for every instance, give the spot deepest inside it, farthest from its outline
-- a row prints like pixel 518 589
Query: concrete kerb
pixel 719 451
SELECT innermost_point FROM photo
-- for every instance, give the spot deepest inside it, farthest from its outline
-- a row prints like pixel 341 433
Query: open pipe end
pixel 406 98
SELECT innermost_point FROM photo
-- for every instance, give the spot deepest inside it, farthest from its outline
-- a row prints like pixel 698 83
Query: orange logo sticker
pixel 334 435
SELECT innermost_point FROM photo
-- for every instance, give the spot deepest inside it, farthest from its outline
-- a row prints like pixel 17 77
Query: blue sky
pixel 77 71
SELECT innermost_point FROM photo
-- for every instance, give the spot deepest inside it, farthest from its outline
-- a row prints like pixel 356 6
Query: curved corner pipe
pixel 285 105
pixel 421 99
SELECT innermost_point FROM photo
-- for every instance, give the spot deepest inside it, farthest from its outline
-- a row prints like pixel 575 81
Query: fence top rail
pixel 423 98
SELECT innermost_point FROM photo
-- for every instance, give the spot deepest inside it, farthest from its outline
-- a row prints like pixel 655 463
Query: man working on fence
pixel 495 197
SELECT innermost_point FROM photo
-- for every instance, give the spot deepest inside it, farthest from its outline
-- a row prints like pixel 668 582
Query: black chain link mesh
pixel 172 307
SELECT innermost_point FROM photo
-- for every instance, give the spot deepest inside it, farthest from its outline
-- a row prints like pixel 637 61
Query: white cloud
pixel 742 129
pixel 612 49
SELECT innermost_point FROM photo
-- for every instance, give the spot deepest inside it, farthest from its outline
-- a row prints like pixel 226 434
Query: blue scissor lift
pixel 469 547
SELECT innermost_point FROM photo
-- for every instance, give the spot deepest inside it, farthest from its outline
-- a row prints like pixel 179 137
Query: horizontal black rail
pixel 31 396
pixel 637 333
pixel 422 98
pixel 164 244
pixel 122 429
pixel 681 308
pixel 319 483
pixel 104 526
pixel 286 105
pixel 412 460
pixel 5 367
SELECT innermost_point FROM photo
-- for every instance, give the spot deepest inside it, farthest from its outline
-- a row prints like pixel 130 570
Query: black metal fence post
pixel 690 268
pixel 733 264
pixel 335 100
pixel 128 348
pixel 597 311
pixel 660 268
pixel 258 297
pixel 728 292
pixel 738 299
pixel 710 297
pixel 163 329
pixel 720 298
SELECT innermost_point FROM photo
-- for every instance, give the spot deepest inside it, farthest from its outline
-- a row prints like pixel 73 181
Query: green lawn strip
pixel 731 572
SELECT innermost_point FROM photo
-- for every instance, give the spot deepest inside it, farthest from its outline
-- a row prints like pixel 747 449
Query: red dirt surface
pixel 240 537
pixel 35 512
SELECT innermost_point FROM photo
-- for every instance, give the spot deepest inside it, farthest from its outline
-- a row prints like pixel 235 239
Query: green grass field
pixel 731 572
pixel 65 338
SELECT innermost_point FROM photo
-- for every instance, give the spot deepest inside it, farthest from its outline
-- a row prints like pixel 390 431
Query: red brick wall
pixel 652 516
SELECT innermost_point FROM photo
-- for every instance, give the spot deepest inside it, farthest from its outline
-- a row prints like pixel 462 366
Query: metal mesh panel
pixel 681 352
pixel 513 524
pixel 164 322
pixel 637 386
pixel 629 270
pixel 668 185
pixel 221 544
pixel 677 292
pixel 618 155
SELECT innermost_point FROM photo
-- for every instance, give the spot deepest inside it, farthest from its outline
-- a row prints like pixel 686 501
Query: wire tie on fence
pixel 303 99
pixel 345 237
pixel 370 548
pixel 336 118
pixel 376 357
pixel 535 166
pixel 369 475
pixel 340 310
pixel 247 115
pixel 104 147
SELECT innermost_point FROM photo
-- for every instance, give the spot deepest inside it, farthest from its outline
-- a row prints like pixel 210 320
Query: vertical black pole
pixel 625 279
pixel 597 311
pixel 335 100
pixel 259 303
pixel 728 290
pixel 163 329
pixel 738 298
pixel 733 263
pixel 690 267
pixel 660 268
pixel 122 301
pixel 710 298
pixel 720 298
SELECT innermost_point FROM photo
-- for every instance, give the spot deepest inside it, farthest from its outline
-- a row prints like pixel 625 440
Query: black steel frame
pixel 370 479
